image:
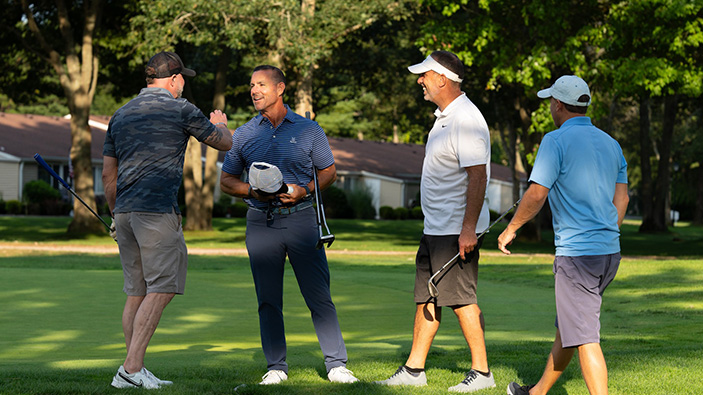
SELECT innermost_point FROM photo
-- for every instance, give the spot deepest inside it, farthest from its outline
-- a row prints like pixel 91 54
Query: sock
pixel 486 374
pixel 414 371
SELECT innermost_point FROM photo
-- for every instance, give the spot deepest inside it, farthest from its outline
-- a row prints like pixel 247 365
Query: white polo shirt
pixel 458 139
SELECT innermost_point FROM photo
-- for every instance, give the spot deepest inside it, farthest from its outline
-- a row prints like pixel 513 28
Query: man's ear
pixel 280 88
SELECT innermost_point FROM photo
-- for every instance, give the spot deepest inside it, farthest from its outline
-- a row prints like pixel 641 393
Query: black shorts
pixel 457 283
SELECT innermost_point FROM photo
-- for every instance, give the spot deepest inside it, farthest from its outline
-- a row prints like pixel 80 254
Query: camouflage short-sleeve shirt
pixel 148 136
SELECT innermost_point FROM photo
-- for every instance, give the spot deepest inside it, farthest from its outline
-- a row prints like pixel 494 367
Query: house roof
pixel 21 136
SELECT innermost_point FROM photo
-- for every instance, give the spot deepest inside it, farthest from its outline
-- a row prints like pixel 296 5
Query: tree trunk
pixel 662 201
pixel 193 183
pixel 77 69
pixel 200 183
pixel 303 95
pixel 83 220
pixel 698 211
pixel 646 195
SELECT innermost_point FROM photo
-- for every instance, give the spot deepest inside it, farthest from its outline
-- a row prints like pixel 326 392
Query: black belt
pixel 285 210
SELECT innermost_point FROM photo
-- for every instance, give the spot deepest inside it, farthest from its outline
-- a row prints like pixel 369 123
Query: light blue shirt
pixel 580 165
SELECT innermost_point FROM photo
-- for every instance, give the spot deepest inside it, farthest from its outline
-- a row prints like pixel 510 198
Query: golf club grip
pixel 51 171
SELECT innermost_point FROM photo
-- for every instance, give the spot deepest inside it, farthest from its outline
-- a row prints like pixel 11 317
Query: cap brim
pixel 544 93
pixel 419 68
pixel 188 72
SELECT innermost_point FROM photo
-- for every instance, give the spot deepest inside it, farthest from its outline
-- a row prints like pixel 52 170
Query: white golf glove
pixel 113 231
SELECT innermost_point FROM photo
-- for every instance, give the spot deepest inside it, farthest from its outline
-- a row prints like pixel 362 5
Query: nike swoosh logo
pixel 444 126
pixel 134 383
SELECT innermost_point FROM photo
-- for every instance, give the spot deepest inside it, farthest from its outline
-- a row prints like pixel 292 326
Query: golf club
pixel 431 287
pixel 323 238
pixel 321 220
pixel 51 171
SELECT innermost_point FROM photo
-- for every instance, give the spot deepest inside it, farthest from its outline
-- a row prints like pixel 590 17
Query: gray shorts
pixel 579 283
pixel 153 252
pixel 457 283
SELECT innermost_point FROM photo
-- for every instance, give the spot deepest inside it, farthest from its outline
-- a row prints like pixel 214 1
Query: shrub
pixel 219 209
pixel 13 207
pixel 336 203
pixel 416 213
pixel 39 191
pixel 2 207
pixel 361 202
pixel 386 212
pixel 401 213
pixel 238 210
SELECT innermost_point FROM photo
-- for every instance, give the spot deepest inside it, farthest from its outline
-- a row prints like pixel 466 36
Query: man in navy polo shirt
pixel 285 224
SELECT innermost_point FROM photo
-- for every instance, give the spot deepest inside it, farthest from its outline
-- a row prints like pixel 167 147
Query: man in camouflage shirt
pixel 143 165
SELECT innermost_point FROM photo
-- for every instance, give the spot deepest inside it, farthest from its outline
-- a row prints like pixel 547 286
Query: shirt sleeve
pixel 233 163
pixel 109 144
pixel 622 173
pixel 472 143
pixel 547 163
pixel 195 122
pixel 322 157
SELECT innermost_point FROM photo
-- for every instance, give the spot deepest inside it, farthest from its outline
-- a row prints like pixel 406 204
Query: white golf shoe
pixel 158 380
pixel 340 374
pixel 138 379
pixel 403 377
pixel 273 377
pixel 474 381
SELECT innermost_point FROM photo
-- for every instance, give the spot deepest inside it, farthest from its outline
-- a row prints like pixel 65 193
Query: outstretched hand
pixel 504 240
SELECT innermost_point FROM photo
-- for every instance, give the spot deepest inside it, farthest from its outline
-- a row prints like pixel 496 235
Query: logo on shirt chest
pixel 293 141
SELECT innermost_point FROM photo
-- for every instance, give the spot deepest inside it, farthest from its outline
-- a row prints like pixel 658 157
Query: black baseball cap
pixel 165 64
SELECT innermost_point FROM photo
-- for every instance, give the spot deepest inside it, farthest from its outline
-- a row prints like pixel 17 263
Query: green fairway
pixel 61 330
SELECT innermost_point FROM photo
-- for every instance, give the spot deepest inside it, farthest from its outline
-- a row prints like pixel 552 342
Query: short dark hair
pixel 276 73
pixel 450 61
pixel 578 109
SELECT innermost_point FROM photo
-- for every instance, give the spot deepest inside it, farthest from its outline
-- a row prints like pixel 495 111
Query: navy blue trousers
pixel 268 242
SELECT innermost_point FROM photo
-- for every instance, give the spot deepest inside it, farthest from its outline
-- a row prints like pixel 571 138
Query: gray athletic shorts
pixel 457 283
pixel 579 283
pixel 153 252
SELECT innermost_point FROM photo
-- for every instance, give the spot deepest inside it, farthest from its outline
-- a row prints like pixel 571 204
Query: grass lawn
pixel 60 330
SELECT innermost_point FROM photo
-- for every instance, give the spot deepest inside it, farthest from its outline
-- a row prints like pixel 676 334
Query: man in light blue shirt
pixel 583 172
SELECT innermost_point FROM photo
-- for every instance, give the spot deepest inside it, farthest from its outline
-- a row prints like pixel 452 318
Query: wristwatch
pixel 307 190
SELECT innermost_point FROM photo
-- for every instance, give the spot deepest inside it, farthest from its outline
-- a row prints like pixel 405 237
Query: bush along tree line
pixel 642 60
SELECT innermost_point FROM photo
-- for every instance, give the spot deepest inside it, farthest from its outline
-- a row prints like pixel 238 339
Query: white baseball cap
pixel 266 178
pixel 431 64
pixel 568 89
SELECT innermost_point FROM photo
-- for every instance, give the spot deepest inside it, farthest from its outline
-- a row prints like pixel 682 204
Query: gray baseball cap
pixel 568 89
pixel 266 178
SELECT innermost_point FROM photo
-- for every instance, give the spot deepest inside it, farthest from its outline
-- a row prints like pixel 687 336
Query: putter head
pixel 434 292
pixel 326 239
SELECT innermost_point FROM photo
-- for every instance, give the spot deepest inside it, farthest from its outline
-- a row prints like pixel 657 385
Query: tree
pixel 652 53
pixel 74 60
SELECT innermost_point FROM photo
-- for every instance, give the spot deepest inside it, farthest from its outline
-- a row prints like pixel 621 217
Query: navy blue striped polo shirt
pixel 294 146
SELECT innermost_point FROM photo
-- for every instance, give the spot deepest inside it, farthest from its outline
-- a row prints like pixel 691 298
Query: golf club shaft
pixel 451 261
pixel 51 171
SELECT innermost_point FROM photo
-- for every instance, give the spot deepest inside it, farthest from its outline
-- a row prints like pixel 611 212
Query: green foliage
pixel 386 212
pixel 336 203
pixel 238 210
pixel 14 207
pixel 3 209
pixel 361 202
pixel 39 191
pixel 416 213
pixel 401 213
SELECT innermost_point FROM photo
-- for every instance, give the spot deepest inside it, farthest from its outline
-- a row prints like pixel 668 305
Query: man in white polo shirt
pixel 455 173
